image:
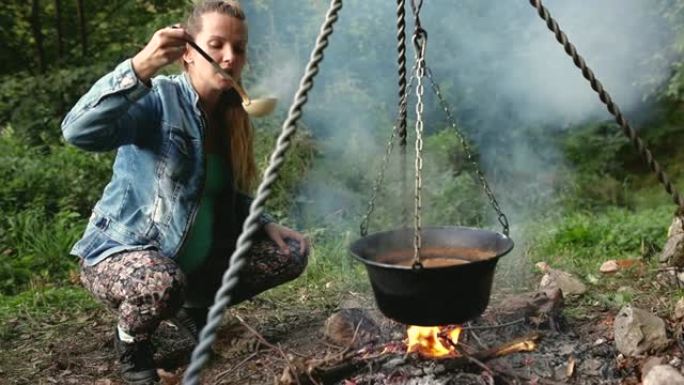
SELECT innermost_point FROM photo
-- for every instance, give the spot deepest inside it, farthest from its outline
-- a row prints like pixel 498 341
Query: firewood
pixel 351 328
pixel 352 363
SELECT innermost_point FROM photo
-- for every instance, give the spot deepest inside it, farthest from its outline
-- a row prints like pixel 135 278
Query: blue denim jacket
pixel 159 170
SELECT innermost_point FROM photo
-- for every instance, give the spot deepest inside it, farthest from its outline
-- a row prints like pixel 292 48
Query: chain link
pixel 420 41
pixel 469 154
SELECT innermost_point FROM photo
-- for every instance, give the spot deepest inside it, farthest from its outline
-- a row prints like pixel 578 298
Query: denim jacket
pixel 159 169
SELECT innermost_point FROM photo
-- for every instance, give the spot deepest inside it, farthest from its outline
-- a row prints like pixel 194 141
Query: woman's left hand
pixel 279 233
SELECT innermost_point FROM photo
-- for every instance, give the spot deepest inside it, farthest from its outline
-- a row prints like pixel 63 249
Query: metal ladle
pixel 256 107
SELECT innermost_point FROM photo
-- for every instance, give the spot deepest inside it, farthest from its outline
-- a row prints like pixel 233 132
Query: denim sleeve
pixel 113 112
pixel 243 204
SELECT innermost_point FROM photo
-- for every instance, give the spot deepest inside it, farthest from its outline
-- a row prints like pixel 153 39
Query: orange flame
pixel 433 341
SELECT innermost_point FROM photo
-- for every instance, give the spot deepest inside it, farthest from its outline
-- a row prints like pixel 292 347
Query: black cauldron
pixel 452 286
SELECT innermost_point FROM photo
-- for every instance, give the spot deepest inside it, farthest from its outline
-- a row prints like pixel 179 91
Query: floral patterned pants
pixel 144 287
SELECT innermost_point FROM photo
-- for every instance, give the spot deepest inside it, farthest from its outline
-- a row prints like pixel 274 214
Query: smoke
pixel 500 68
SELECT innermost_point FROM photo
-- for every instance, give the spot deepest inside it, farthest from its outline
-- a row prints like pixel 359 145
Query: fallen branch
pixel 234 368
pixel 270 345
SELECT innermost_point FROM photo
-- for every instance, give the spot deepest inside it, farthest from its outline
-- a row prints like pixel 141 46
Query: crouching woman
pixel 160 237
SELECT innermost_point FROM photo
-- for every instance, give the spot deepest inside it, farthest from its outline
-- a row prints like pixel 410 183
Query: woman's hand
pixel 166 46
pixel 279 233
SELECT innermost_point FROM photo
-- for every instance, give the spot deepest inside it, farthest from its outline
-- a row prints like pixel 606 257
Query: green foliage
pixel 37 248
pixel 583 240
pixel 603 141
pixel 453 192
pixel 41 304
pixel 47 194
pixel 36 104
pixel 112 30
pixel 297 163
pixel 51 179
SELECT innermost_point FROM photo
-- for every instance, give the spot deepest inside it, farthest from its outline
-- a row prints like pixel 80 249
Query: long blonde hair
pixel 238 125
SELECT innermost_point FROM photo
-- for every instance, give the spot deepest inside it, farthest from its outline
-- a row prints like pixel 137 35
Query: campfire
pixel 379 350
pixel 433 341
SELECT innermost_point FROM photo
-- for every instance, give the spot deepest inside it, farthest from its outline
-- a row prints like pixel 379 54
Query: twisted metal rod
pixel 401 62
pixel 608 101
pixel 200 354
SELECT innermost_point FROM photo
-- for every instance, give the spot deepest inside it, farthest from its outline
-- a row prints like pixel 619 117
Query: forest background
pixel 574 189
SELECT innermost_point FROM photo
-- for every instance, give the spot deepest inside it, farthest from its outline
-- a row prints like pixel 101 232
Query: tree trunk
pixel 58 28
pixel 37 34
pixel 82 27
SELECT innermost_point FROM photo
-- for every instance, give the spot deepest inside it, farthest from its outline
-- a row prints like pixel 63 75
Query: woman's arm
pixel 111 113
pixel 120 103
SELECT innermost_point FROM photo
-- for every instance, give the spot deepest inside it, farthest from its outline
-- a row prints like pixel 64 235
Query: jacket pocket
pixel 179 157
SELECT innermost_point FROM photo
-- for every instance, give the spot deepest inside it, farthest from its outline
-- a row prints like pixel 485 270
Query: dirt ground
pixel 77 348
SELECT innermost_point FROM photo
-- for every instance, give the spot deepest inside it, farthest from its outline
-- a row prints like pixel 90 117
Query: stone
pixel 679 309
pixel 637 332
pixel 609 267
pixel 673 251
pixel 676 227
pixel 649 364
pixel 591 367
pixel 663 375
pixel 542 266
pixel 566 282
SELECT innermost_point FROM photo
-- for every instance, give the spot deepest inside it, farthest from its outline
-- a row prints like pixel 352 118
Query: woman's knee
pixel 142 278
pixel 298 259
pixel 159 287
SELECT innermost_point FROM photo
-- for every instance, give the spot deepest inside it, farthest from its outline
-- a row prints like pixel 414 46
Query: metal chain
pixel 417 242
pixel 420 43
pixel 200 354
pixel 503 220
pixel 363 229
pixel 608 101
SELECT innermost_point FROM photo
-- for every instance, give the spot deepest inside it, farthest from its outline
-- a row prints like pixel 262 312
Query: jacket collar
pixel 190 93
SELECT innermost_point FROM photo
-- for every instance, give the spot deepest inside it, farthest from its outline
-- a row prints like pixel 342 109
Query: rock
pixel 679 309
pixel 542 266
pixel 676 227
pixel 591 367
pixel 613 265
pixel 558 279
pixel 637 331
pixel 351 327
pixel 673 251
pixel 663 375
pixel 649 364
pixel 609 266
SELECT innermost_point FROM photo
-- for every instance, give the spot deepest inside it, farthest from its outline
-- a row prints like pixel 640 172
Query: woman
pixel 160 238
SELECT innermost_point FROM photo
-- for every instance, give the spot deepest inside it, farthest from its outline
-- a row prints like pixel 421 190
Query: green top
pixel 198 244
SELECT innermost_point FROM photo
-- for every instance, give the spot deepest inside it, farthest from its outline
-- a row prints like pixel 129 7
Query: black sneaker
pixel 190 321
pixel 136 362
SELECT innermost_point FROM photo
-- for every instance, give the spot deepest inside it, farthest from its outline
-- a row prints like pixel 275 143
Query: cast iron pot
pixel 452 287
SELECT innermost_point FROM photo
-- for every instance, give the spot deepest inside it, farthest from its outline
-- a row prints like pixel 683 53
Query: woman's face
pixel 224 38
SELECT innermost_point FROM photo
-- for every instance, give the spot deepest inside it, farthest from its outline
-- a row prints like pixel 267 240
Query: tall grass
pixel 583 240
